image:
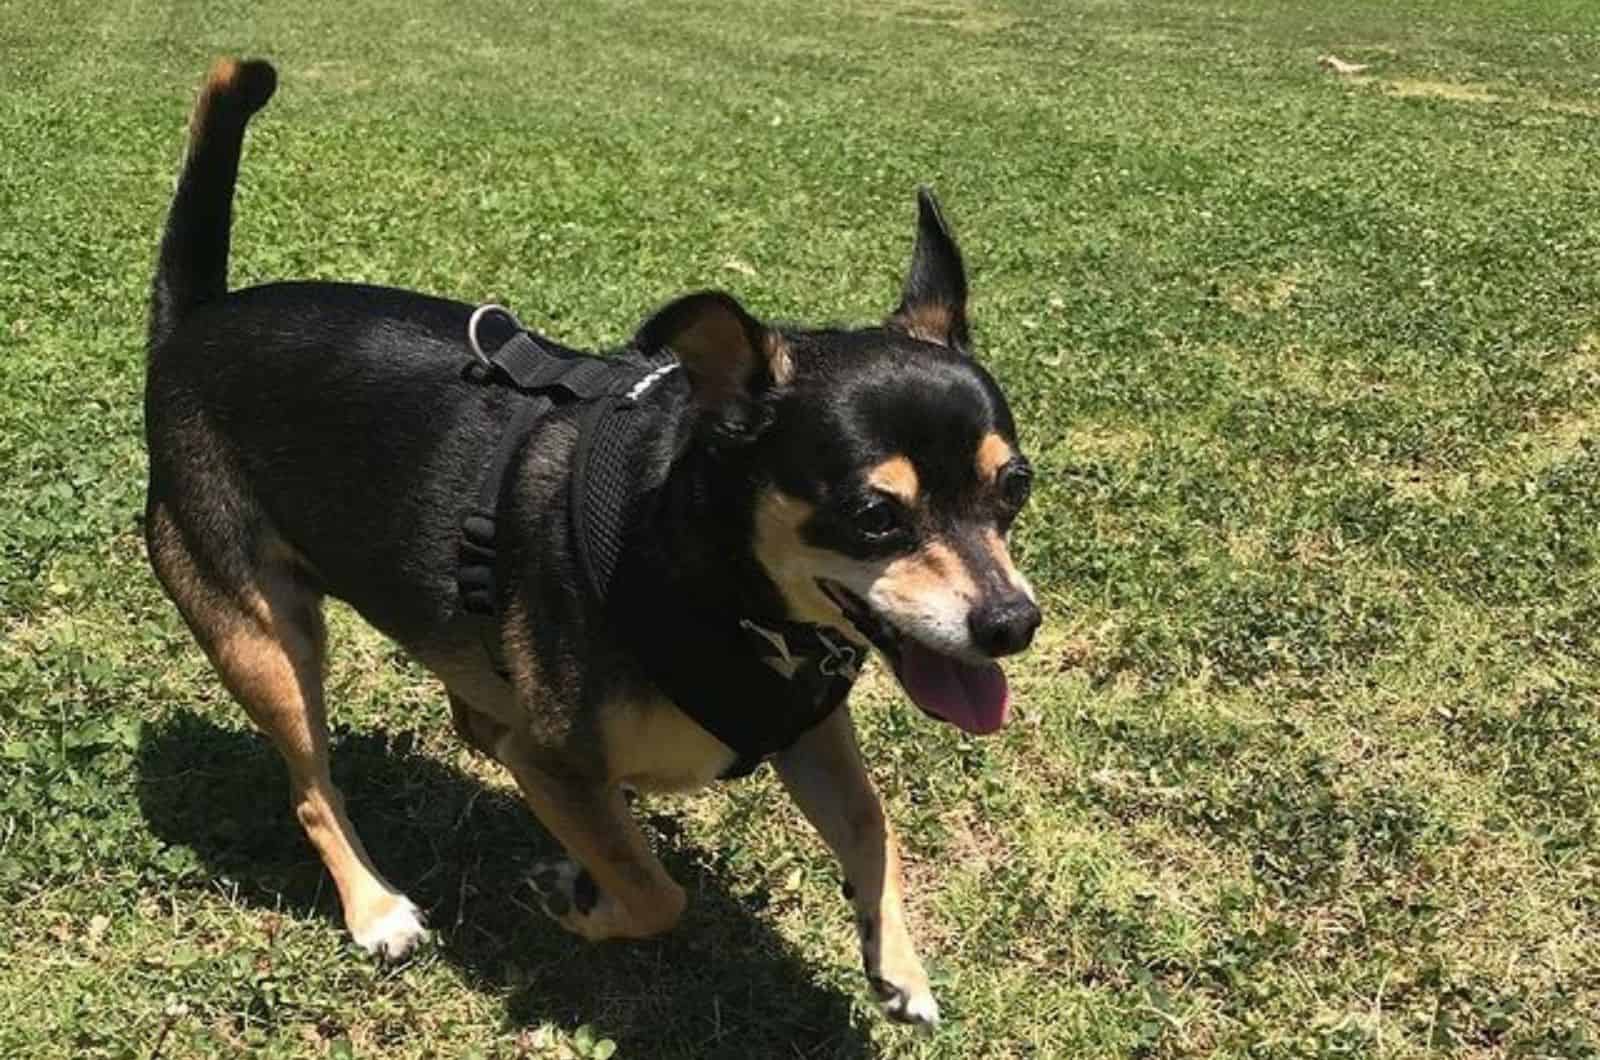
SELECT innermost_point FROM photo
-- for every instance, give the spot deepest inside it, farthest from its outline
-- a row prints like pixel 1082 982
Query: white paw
pixel 395 933
pixel 916 1007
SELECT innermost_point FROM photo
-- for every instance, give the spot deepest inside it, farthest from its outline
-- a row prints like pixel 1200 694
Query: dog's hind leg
pixel 824 775
pixel 261 625
pixel 611 885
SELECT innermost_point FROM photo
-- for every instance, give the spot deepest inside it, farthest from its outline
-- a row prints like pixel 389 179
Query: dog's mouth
pixel 971 696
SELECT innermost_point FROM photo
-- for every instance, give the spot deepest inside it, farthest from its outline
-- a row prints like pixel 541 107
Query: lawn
pixel 1307 758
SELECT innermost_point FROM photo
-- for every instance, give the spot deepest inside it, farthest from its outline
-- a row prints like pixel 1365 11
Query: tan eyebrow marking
pixel 994 453
pixel 897 477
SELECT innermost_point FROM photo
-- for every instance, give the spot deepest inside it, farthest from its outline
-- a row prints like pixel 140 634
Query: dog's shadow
pixel 721 984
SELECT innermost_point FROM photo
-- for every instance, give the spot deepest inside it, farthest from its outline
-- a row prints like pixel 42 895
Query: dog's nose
pixel 1003 626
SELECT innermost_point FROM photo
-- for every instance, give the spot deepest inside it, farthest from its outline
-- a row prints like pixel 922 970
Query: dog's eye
pixel 875 519
pixel 1015 486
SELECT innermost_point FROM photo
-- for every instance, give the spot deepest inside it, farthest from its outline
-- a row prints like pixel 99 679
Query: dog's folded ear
pixel 732 360
pixel 933 304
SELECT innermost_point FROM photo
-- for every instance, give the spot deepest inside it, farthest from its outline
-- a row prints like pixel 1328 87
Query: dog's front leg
pixel 824 775
pixel 610 884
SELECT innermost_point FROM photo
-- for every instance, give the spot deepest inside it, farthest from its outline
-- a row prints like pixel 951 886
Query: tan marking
pixel 896 477
pixel 779 359
pixel 652 745
pixel 794 566
pixel 928 321
pixel 593 823
pixel 224 71
pixel 994 453
pixel 932 570
pixel 266 642
pixel 824 775
pixel 905 585
pixel 219 82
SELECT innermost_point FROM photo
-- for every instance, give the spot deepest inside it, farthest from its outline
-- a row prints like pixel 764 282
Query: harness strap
pixel 533 364
pixel 548 374
pixel 475 568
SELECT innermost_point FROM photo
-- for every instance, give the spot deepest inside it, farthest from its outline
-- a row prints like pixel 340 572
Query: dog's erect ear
pixel 732 360
pixel 933 305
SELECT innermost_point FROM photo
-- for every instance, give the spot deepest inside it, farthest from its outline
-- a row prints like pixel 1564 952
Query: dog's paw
pixel 570 897
pixel 392 933
pixel 566 891
pixel 894 974
pixel 911 1005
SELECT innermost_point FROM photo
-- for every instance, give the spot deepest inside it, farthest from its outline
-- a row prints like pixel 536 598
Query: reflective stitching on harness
pixel 643 386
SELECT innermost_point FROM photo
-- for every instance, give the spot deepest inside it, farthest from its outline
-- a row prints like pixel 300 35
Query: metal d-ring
pixel 477 318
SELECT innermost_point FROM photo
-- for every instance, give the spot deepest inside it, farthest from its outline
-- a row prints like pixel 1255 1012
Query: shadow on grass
pixel 721 984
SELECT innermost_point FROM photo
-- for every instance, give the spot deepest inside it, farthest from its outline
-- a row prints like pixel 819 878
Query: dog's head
pixel 883 475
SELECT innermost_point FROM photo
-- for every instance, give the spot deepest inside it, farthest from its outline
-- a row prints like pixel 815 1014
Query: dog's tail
pixel 193 266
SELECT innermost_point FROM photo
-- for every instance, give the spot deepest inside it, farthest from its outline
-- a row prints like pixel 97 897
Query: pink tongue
pixel 970 697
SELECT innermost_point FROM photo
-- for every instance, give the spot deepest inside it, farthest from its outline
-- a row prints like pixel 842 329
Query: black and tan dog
pixel 679 564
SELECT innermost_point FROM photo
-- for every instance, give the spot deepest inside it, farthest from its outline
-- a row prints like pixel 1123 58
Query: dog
pixel 672 572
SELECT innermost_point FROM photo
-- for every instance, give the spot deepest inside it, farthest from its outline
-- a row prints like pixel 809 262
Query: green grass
pixel 1308 755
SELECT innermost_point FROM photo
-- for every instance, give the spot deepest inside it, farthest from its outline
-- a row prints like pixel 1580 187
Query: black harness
pixel 757 685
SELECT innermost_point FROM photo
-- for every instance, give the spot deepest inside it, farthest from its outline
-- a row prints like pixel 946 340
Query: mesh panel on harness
pixel 600 483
